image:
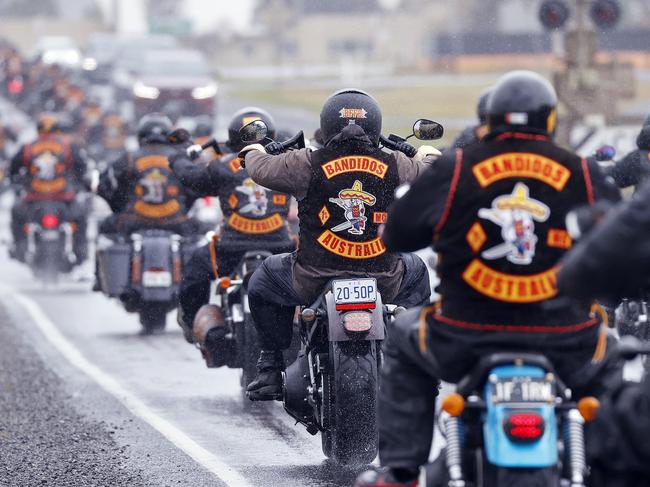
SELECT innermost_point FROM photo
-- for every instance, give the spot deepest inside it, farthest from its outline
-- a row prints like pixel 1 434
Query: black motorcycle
pixel 144 272
pixel 49 241
pixel 332 386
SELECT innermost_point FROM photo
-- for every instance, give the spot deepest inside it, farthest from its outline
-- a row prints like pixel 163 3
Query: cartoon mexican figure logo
pixel 46 166
pixel 257 200
pixel 353 201
pixel 516 214
pixel 152 187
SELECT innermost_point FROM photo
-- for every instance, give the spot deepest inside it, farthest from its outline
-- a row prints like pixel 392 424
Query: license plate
pixel 523 389
pixel 156 279
pixel 49 235
pixel 355 291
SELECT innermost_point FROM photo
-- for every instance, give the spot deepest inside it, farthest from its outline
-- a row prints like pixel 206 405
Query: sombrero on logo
pixel 357 192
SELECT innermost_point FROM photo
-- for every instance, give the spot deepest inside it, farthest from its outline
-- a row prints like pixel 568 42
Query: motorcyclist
pixel 50 168
pixel 634 168
pixel 495 212
pixel 343 192
pixel 141 189
pixel 611 262
pixel 254 218
pixel 474 133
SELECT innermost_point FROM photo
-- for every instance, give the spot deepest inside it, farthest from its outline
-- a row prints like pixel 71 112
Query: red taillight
pixel 524 427
pixel 50 221
pixel 15 86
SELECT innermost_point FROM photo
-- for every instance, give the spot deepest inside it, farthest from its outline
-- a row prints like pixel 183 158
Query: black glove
pixel 273 148
pixel 408 149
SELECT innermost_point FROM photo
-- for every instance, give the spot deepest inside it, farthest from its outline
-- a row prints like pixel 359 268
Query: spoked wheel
pixel 153 318
pixel 350 403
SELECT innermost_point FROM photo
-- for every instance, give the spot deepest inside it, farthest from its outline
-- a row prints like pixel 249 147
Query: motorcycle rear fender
pixel 336 331
pixel 503 452
pixel 157 253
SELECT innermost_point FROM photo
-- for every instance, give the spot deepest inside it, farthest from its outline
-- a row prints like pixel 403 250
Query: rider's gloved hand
pixel 273 148
pixel 194 151
pixel 242 153
pixel 426 151
pixel 406 148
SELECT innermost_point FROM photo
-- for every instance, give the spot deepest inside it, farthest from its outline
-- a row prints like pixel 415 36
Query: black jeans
pixel 273 298
pixel 410 380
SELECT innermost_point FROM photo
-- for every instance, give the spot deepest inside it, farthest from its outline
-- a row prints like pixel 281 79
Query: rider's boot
pixel 389 477
pixel 267 385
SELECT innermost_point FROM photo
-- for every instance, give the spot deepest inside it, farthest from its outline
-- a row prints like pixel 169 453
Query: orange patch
pixel 148 162
pixel 559 239
pixel 476 237
pixel 509 287
pixel 233 200
pixel 521 165
pixel 279 199
pixel 355 164
pixel 324 215
pixel 379 217
pixel 351 250
pixel 172 190
pixel 252 226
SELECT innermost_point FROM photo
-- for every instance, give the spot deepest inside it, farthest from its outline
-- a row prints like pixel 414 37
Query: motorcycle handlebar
pixel 393 142
pixel 297 141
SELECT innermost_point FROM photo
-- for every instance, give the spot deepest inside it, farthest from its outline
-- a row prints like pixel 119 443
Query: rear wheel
pixel 153 317
pixel 350 403
pixel 523 477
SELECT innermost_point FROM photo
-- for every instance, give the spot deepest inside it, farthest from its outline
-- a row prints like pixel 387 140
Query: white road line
pixel 219 468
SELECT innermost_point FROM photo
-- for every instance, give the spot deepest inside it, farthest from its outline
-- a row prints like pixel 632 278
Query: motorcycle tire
pixel 350 403
pixel 153 317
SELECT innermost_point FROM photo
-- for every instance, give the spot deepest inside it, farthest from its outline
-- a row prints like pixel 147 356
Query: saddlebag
pixel 114 264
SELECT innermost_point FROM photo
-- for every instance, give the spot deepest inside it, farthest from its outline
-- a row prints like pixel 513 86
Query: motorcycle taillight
pixel 50 221
pixel 15 86
pixel 524 427
pixel 357 321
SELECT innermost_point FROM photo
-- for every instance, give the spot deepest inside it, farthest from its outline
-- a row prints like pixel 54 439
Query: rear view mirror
pixel 253 132
pixel 424 129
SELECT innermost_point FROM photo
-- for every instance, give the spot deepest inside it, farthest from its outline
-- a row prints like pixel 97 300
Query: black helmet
pixel 203 126
pixel 646 122
pixel 154 128
pixel 244 117
pixel 350 107
pixel 481 107
pixel 522 101
pixel 48 123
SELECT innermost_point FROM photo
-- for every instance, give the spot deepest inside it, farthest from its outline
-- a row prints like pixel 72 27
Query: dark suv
pixel 176 82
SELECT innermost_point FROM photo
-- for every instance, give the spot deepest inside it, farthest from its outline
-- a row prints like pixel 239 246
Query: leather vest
pixel 156 193
pixel 250 211
pixel 49 167
pixel 351 187
pixel 503 233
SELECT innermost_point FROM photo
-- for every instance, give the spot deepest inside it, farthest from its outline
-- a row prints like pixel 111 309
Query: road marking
pixel 202 456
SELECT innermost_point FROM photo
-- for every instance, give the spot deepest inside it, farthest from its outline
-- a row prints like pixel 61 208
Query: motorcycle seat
pixel 477 377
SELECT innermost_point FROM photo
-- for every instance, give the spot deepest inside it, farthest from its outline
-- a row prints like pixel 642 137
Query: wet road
pixel 244 445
